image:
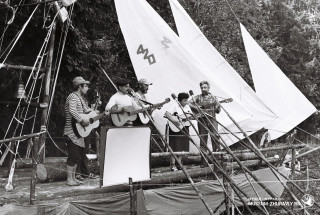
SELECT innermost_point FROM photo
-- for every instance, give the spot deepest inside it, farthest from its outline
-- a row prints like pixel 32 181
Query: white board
pixel 127 154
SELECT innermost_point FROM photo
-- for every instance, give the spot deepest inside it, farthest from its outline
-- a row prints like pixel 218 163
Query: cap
pixel 79 80
pixel 144 81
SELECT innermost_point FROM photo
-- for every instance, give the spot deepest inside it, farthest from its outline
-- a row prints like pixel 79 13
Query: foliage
pixel 287 30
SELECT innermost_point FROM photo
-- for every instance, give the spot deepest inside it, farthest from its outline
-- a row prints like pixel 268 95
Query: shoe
pixel 174 168
pixel 79 177
pixel 91 175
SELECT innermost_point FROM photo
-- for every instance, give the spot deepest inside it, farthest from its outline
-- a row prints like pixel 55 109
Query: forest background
pixel 288 30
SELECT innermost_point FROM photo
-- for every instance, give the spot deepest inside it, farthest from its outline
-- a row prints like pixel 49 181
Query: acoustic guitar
pixel 183 122
pixel 143 116
pixel 120 117
pixel 204 105
pixel 93 117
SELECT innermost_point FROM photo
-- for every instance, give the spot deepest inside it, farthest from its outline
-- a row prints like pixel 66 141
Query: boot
pixel 70 180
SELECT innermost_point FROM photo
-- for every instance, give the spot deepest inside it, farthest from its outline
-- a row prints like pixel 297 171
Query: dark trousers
pixel 82 167
pixel 213 127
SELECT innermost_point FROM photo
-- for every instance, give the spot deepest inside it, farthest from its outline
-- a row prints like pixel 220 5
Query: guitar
pixel 121 117
pixel 143 116
pixel 183 122
pixel 204 105
pixel 93 117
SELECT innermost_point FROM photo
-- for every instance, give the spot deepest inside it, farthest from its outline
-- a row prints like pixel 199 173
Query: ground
pixel 90 190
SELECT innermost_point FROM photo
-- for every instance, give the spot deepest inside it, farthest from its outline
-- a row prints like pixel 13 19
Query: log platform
pixel 57 192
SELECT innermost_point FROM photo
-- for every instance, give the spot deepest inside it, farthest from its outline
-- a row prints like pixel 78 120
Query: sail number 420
pixel 150 57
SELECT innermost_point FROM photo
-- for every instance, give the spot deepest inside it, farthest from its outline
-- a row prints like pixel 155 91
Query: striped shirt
pixel 74 106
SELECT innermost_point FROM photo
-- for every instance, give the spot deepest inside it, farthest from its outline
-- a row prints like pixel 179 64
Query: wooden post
pixel 35 149
pixel 225 184
pixel 46 93
pixel 293 162
pixel 133 198
pixel 11 147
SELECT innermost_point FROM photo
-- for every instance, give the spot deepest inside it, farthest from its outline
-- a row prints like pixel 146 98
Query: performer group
pixel 128 107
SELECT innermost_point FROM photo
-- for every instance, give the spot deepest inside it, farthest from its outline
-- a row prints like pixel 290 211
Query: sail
pixel 275 89
pixel 219 68
pixel 158 55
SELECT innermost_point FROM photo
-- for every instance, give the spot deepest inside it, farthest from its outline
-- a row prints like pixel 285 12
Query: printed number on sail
pixel 151 59
pixel 165 42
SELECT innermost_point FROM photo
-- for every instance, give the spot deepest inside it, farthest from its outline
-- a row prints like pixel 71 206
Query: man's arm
pixel 73 108
pixel 111 103
pixel 217 106
pixel 192 104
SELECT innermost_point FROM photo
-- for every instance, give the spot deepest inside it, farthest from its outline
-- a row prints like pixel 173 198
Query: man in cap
pixel 75 105
pixel 142 89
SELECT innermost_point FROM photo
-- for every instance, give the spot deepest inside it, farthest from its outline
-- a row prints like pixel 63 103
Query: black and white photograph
pixel 160 107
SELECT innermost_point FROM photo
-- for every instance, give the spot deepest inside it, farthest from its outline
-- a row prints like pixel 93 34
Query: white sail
pixel 192 36
pixel 275 89
pixel 158 55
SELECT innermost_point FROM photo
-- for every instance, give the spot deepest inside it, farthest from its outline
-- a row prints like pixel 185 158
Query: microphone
pixel 191 92
pixel 130 92
pixel 173 96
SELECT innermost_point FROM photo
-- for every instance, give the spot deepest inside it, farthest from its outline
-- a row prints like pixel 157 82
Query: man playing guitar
pixel 209 105
pixel 75 105
pixel 178 141
pixel 142 100
pixel 121 102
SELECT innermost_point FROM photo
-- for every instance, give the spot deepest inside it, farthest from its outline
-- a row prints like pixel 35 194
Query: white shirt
pixel 122 100
pixel 176 109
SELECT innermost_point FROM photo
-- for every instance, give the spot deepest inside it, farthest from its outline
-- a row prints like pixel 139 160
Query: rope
pixel 19 35
pixel 58 69
pixel 56 144
pixel 44 45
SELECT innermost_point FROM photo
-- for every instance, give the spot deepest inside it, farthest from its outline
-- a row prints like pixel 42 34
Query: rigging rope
pixel 43 48
pixel 58 68
pixel 20 33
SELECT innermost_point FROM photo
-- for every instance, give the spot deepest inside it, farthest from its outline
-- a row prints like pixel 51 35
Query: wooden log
pixel 57 171
pixel 20 68
pixel 52 171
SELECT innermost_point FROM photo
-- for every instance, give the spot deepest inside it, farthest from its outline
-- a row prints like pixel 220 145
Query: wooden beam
pixel 19 67
pixel 22 137
pixel 24 104
pixel 44 116
pixel 276 148
pixel 33 182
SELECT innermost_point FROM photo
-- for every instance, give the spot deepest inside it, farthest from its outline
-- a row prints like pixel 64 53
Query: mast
pixel 46 93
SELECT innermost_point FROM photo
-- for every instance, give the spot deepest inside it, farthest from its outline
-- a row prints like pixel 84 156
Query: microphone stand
pixel 244 168
pixel 177 160
pixel 212 159
pixel 263 157
pixel 272 167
